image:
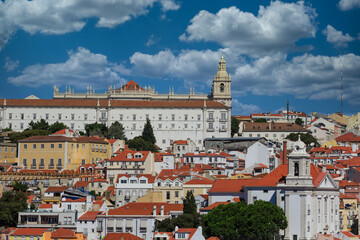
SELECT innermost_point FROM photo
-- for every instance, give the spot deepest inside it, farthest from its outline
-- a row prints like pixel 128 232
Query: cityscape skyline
pixel 274 50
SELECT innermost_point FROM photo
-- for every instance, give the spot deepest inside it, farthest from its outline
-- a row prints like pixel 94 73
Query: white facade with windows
pixel 172 116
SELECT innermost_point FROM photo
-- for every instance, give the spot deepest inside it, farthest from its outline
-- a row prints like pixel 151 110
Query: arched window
pixel 222 87
pixel 296 169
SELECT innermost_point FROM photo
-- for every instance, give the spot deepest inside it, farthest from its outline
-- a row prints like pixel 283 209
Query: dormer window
pixel 138 155
pixel 129 156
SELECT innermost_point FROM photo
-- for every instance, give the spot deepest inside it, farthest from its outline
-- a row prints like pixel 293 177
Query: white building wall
pixel 257 153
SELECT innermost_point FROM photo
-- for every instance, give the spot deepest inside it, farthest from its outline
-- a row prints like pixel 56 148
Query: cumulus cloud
pixel 195 67
pixel 64 16
pixel 276 28
pixel 242 108
pixel 82 68
pixel 349 4
pixel 152 40
pixel 306 76
pixel 10 65
pixel 337 37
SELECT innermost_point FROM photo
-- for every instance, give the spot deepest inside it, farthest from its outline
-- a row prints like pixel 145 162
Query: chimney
pixel 284 157
pixel 154 210
pixel 162 210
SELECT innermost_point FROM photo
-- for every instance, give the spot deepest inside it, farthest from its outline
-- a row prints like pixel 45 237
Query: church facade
pixel 173 117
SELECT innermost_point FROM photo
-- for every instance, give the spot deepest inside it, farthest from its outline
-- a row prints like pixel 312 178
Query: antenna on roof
pixel 341 97
pixel 287 109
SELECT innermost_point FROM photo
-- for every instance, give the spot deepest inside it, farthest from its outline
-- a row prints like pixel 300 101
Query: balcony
pixel 223 120
pixel 33 166
pixel 59 167
pixel 210 120
pixel 41 166
pixel 210 129
pixel 51 166
pixel 222 130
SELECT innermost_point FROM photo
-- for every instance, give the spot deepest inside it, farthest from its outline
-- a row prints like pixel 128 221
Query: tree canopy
pixel 260 120
pixel 148 133
pixel 234 126
pixel 307 138
pixel 16 136
pixel 116 130
pixel 39 125
pixel 189 203
pixel 11 203
pixel 18 186
pixel 299 122
pixel 261 220
pixel 139 144
pixel 57 126
pixel 96 128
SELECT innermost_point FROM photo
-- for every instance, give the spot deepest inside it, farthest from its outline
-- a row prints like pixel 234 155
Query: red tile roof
pixel 348 234
pixel 180 142
pixel 213 238
pixel 145 208
pixel 203 181
pixel 318 149
pixel 75 200
pixel 48 139
pixel 348 137
pixel 63 131
pixel 123 156
pixel 214 205
pixel 56 189
pixel 29 232
pixel 121 236
pixel 111 141
pixel 272 127
pixel 114 103
pixel 63 233
pixel 151 178
pixel 81 184
pixel 93 139
pixel 45 206
pixel 89 215
pixel 191 231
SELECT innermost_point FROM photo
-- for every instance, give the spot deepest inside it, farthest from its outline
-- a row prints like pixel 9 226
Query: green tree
pixel 148 133
pixel 355 227
pixel 18 186
pixel 39 125
pixel 11 203
pixel 139 144
pixel 189 203
pixel 57 126
pixel 181 221
pixel 260 120
pixel 307 138
pixel 261 220
pixel 234 126
pixel 299 122
pixel 16 136
pixel 116 130
pixel 96 128
pixel 6 129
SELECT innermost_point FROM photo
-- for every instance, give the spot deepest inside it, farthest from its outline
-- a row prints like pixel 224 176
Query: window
pixel 59 116
pixel 199 126
pixel 134 127
pixel 173 125
pixel 223 115
pixel 176 193
pixel 59 162
pixel 211 116
pixel 103 115
pixel 160 116
pixel 254 199
pixel 198 117
pixel 25 146
pixel 42 146
pixel 164 141
pixel 85 116
pixel 52 146
pixel 41 162
pixel 173 117
pixel 21 126
pixel 34 146
pixel 60 145
pixel 211 126
pixel 51 162
pixel 24 162
pixel 222 87
pixel 167 195
pixel 160 126
pixel 186 117
pixel 185 126
pixel 134 116
pixel 34 116
pixel 121 117
pixel 294 237
pixel 72 116
pixel 296 169
pixel 274 135
pixel 21 116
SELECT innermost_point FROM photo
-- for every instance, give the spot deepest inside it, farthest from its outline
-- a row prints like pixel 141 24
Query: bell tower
pixel 221 88
pixel 299 166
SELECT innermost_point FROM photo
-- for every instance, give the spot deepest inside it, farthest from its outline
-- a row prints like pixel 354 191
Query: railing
pixel 210 120
pixel 223 120
pixel 51 166
pixel 210 129
pixel 41 166
pixel 33 166
pixel 99 228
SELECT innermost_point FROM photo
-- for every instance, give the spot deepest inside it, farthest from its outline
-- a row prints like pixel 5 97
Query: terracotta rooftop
pixel 129 156
pixel 202 181
pixel 348 137
pixel 28 232
pixel 56 189
pixel 121 236
pixel 63 131
pixel 214 205
pixel 89 215
pixel 63 233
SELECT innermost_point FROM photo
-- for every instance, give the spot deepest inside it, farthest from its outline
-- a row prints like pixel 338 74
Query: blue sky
pixel 275 50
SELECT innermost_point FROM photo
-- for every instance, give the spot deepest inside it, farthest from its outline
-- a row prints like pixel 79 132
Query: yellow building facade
pixel 59 152
pixel 348 212
pixel 8 153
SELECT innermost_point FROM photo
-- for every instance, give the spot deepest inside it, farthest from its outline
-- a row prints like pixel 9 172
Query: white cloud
pixel 349 4
pixel 195 67
pixel 10 65
pixel 276 28
pixel 244 109
pixel 337 37
pixel 82 68
pixel 64 16
pixel 306 76
pixel 152 40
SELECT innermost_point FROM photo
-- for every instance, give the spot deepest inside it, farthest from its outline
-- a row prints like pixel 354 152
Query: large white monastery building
pixel 172 116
